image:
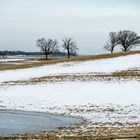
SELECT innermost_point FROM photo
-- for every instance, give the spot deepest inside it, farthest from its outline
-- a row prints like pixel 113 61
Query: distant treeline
pixel 6 53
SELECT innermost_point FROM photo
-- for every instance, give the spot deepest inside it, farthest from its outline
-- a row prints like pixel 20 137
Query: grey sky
pixel 22 22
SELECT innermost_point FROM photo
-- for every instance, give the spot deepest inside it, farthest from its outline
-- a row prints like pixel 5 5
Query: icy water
pixel 18 122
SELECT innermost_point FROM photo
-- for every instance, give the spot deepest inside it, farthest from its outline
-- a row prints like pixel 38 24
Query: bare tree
pixel 47 46
pixel 128 39
pixel 112 42
pixel 70 45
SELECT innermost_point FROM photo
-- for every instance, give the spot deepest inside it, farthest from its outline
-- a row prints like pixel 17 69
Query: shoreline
pixel 14 122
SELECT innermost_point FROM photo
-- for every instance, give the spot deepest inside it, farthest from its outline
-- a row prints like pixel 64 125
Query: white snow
pixel 95 101
pixel 75 93
pixel 12 60
pixel 104 65
pixel 61 97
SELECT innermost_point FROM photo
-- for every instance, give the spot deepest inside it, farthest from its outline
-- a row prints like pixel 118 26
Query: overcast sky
pixel 22 22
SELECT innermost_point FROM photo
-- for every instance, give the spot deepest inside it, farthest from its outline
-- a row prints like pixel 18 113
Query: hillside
pixel 104 92
pixel 41 62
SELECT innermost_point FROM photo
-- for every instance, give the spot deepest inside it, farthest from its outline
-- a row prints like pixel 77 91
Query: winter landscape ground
pixel 104 92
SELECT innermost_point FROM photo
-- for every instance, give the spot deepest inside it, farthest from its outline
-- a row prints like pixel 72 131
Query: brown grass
pixel 59 60
pixel 119 75
pixel 98 133
pixel 126 73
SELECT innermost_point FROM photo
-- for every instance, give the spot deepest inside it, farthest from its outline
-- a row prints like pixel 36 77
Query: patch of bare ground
pixel 80 133
pixel 88 130
pixel 42 62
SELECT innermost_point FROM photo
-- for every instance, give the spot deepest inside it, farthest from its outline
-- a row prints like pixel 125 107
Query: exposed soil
pixel 80 133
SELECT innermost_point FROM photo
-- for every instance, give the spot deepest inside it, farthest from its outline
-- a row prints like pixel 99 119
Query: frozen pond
pixel 17 61
pixel 15 122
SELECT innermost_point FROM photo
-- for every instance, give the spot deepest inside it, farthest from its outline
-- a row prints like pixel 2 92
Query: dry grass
pixel 97 133
pixel 59 60
pixel 115 76
pixel 126 73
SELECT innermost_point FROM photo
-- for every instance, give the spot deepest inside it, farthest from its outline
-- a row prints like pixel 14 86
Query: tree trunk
pixel 68 53
pixel 46 56
pixel 112 49
pixel 125 49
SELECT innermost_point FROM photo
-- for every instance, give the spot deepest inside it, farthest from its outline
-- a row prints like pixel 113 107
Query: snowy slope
pixel 73 93
pixel 104 65
pixel 99 102
pixel 95 101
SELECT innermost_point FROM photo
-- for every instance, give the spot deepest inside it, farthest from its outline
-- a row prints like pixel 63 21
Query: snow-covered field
pixel 84 67
pixel 98 102
pixel 95 101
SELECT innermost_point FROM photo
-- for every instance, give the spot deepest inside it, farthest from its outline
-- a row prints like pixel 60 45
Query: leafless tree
pixel 47 46
pixel 128 39
pixel 70 45
pixel 112 42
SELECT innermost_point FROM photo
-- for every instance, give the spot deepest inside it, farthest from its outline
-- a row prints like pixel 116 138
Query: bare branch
pixel 128 40
pixel 70 45
pixel 47 46
pixel 112 42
